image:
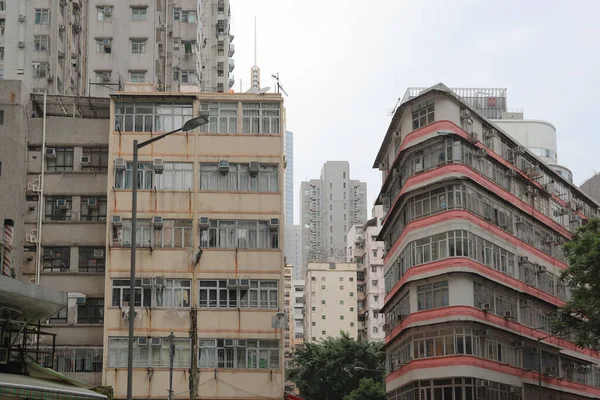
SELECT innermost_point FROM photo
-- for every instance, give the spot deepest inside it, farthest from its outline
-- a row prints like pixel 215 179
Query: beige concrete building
pixel 330 305
pixel 54 187
pixel 211 267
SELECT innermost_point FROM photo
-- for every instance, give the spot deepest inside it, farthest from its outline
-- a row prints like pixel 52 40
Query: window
pixel 92 312
pixel 63 160
pixel 103 76
pixel 2 5
pixel 1 52
pixel 174 234
pixel 241 234
pixel 73 359
pixel 434 295
pixel 351 323
pixel 175 293
pixel 93 209
pixel 42 16
pixel 41 43
pixel 40 69
pixel 341 317
pixel 175 176
pixel 322 316
pixel 138 46
pixel 188 77
pixel 138 13
pixel 374 282
pixel 375 329
pixel 423 114
pixel 341 278
pixel 121 235
pixel 323 332
pixel 123 178
pixel 1 117
pixel 57 208
pixel 238 353
pixel 104 13
pixel 239 178
pixel 351 309
pixel 149 356
pixel 323 287
pixel 137 76
pixel 375 298
pixel 341 287
pixel 59 318
pixel 314 308
pixel 98 158
pixel 260 118
pixel 56 259
pixel 104 46
pixel 177 14
pixel 229 293
pixel 374 253
pixel 90 259
pixel 223 117
pixel 322 301
pixel 313 323
pixel 351 279
pixel 341 302
pixel 351 294
pixel 151 117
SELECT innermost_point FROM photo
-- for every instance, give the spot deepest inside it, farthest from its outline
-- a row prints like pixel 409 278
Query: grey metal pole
pixel 134 183
pixel 172 358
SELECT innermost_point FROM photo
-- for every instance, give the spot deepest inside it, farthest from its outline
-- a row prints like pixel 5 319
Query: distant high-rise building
pixel 329 206
pixel 216 48
pixel 289 178
pixel 591 187
pixel 293 249
pixel 330 305
pixel 367 252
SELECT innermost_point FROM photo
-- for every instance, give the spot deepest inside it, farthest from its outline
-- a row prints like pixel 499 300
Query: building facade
pixel 472 232
pixel 367 252
pixel 289 178
pixel 42 44
pixel 330 300
pixel 54 188
pixel 298 312
pixel 591 187
pixel 329 206
pixel 217 46
pixel 210 247
pixel 293 248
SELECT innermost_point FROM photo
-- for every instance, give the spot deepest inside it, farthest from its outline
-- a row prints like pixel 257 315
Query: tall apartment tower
pixel 472 231
pixel 330 300
pixel 289 178
pixel 367 252
pixel 42 44
pixel 210 248
pixel 217 46
pixel 329 206
pixel 53 187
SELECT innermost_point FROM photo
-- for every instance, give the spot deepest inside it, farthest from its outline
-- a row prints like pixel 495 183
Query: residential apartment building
pixel 288 336
pixel 54 187
pixel 591 187
pixel 210 251
pixel 289 178
pixel 293 249
pixel 472 232
pixel 330 300
pixel 298 312
pixel 42 44
pixel 217 46
pixel 367 252
pixel 329 206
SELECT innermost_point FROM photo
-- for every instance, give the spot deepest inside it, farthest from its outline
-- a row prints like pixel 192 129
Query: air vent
pixel 50 153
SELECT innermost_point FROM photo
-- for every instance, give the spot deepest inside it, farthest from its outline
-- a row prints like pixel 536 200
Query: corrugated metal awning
pixel 35 388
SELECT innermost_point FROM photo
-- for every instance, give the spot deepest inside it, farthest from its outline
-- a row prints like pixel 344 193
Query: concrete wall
pixel 592 187
pixel 537 136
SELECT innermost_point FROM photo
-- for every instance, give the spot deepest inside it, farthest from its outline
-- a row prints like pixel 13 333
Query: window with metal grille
pixel 63 160
pixel 92 312
pixel 56 259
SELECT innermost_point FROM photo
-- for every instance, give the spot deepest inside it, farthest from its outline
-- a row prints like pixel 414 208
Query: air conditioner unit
pixel 242 343
pixel 534 171
pixel 387 327
pixel 50 78
pixel 21 45
pixel 160 281
pixel 30 238
pixel 519 150
pixel 204 222
pixel 3 355
pixel 106 42
pixel 81 301
pixel 229 342
pixel 481 152
pixel 120 164
pixel 48 255
pixel 224 166
pixel 508 314
pixel 61 54
pixel 465 114
pixel 50 153
pixel 21 18
pixel 116 220
pixel 540 269
pixel 106 76
pixel 92 203
pixel 232 283
pixel 85 160
pixel 147 282
pixel 157 222
pixel 526 303
pixel 107 11
pixel 523 260
pixel 61 204
pixel 274 223
pixel 158 166
pixel 486 306
pixel 156 342
pixel 142 341
pixel 244 283
pixel 253 167
pixel 99 253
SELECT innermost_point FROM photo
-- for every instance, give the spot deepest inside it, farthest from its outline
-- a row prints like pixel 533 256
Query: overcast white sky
pixel 344 64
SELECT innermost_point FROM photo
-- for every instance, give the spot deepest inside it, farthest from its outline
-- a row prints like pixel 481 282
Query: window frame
pixel 86 253
pixel 261 294
pixel 42 16
pixel 93 306
pixel 139 11
pixel 61 254
pixel 64 153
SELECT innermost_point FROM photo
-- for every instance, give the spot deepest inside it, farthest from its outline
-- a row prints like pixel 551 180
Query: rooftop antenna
pixel 279 87
pixel 254 40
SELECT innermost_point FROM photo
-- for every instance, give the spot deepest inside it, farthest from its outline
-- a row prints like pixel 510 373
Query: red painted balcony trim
pixel 483 181
pixel 466 215
pixel 464 262
pixel 478 315
pixel 473 361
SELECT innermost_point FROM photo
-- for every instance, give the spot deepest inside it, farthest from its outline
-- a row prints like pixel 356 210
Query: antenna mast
pixel 254 40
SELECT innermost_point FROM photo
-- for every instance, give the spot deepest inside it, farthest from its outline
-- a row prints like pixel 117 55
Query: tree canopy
pixel 368 389
pixel 580 316
pixel 326 370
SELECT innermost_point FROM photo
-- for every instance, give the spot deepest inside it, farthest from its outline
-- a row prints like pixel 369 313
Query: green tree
pixel 368 389
pixel 326 370
pixel 580 316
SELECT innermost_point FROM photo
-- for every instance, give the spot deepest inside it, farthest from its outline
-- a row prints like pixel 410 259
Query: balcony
pixel 231 65
pixel 231 81
pixel 231 50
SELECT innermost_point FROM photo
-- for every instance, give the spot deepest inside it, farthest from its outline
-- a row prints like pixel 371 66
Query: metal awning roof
pixel 36 388
pixel 71 106
pixel 31 302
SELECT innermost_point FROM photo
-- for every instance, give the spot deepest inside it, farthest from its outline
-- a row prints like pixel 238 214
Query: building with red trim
pixel 473 226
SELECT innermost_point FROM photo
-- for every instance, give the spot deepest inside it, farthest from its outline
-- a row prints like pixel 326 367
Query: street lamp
pixel 188 126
